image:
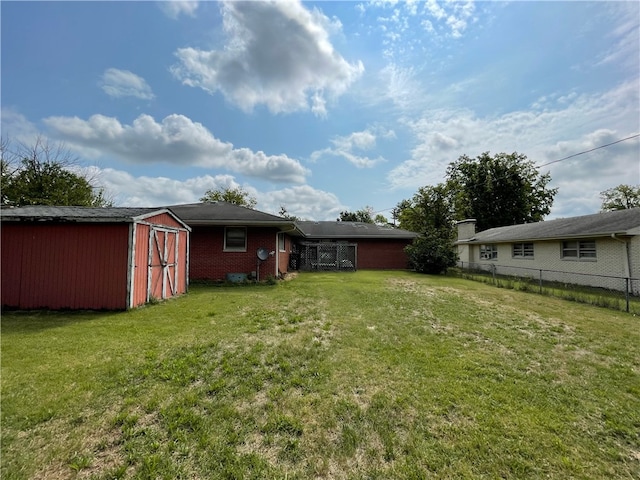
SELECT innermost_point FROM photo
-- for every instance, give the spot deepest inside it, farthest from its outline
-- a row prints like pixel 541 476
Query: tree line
pixel 495 190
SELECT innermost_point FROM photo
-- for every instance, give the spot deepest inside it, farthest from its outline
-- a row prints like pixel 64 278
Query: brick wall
pixel 382 254
pixel 209 261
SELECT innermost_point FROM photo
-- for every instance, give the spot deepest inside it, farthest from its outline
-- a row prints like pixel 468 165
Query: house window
pixel 579 249
pixel 281 242
pixel 522 250
pixel 235 239
pixel 488 252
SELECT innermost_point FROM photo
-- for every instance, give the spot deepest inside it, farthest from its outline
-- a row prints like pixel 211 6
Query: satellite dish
pixel 263 253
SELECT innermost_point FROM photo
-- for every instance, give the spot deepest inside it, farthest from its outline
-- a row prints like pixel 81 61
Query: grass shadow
pixel 22 321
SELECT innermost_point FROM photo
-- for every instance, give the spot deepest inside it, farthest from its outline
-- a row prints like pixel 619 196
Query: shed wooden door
pixel 162 278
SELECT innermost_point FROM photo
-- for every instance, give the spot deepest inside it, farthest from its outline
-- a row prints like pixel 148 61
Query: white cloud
pixel 435 10
pixel 124 189
pixel 344 146
pixel 401 26
pixel 581 178
pixel 304 201
pixel 123 83
pixel 400 86
pixel 585 121
pixel 176 140
pixel 175 8
pixel 16 127
pixel 624 39
pixel 278 54
pixel 145 191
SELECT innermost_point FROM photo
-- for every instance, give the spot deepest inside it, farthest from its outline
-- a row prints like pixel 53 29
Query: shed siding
pixel 61 266
pixel 209 261
pixel 140 265
pixel 164 219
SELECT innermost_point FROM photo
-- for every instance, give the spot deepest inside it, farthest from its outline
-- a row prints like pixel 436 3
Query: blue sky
pixel 325 106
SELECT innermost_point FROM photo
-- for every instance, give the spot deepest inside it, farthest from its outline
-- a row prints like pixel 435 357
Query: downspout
pixel 627 264
pixel 277 255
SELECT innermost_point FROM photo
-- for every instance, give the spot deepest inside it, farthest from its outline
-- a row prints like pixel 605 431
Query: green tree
pixel 428 210
pixel 620 198
pixel 429 213
pixel 380 219
pixel 40 175
pixel 499 190
pixel 363 215
pixel 432 253
pixel 237 196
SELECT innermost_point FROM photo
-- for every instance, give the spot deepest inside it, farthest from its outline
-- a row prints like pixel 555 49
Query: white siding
pixel 610 261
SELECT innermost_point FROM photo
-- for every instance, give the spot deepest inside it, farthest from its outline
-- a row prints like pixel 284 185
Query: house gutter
pixel 627 264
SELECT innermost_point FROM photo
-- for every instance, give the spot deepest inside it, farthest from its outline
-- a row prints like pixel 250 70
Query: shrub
pixel 432 254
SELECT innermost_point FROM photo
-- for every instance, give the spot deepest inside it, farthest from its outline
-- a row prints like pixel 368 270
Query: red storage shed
pixel 91 258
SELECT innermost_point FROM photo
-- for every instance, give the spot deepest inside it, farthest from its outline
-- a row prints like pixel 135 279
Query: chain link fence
pixel 620 293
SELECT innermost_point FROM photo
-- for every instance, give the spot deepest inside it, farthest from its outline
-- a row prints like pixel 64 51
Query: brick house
pixel 226 239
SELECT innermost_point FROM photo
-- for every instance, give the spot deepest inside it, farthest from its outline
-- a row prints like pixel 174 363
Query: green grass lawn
pixel 347 376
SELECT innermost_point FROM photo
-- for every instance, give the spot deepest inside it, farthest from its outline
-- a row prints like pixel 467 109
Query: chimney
pixel 466 229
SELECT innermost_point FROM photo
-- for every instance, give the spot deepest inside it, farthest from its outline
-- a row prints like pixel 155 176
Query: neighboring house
pixel 91 258
pixel 601 250
pixel 336 245
pixel 226 238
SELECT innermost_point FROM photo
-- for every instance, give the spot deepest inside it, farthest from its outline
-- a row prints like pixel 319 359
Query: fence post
pixel 493 273
pixel 540 281
pixel 626 290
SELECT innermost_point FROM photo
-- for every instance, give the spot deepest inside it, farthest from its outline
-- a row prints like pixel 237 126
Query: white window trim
pixel 284 242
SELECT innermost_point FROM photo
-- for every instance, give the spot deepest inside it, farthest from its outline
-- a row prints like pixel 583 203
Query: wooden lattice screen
pixel 327 256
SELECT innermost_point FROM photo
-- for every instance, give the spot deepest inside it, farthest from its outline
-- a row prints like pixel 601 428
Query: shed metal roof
pixel 346 230
pixel 619 222
pixel 78 214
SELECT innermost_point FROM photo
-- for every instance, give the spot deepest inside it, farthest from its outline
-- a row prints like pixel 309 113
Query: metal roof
pixel 619 222
pixel 346 230
pixel 42 213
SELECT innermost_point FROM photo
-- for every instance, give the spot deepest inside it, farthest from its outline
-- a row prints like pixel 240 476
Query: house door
pixel 162 278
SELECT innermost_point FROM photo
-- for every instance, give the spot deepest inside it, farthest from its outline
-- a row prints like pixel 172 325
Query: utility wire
pixel 587 151
pixel 560 159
